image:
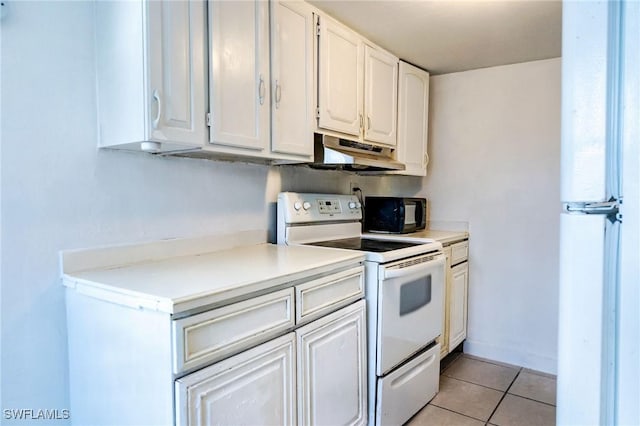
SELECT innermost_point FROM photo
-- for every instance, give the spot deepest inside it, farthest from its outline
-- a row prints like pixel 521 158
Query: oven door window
pixel 415 295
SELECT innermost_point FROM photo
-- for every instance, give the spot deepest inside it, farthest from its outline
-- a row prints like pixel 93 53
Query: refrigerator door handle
pixel 610 208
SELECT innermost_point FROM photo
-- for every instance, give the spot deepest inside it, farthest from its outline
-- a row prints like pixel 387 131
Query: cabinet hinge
pixel 318 112
pixel 318 28
pixel 209 119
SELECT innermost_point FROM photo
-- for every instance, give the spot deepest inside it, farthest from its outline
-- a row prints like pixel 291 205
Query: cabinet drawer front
pixel 407 389
pixel 324 295
pixel 459 252
pixel 212 335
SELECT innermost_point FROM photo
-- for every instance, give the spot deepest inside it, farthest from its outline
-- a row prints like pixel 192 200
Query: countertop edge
pixel 215 298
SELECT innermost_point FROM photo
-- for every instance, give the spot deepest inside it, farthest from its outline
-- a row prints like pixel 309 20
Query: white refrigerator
pixel 599 302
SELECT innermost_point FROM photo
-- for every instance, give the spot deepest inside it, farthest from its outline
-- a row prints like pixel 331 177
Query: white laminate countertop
pixel 178 284
pixel 444 237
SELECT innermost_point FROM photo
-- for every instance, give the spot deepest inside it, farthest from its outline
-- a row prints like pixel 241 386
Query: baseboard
pixel 513 356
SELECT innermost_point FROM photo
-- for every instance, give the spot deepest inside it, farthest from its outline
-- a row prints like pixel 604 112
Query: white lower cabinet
pixel 249 360
pixel 259 386
pixel 458 312
pixel 219 343
pixel 454 329
pixel 332 373
pixel 251 388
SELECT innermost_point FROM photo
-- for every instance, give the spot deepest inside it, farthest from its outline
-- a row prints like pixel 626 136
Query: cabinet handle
pixel 156 97
pixel 426 159
pixel 261 90
pixel 278 94
pixel 361 121
pixel 368 123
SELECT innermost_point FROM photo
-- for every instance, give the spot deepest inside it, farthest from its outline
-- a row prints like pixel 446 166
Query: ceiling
pixel 444 36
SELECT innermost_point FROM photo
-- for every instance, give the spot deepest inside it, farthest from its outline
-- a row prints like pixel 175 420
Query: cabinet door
pixel 458 305
pixel 255 387
pixel 339 78
pixel 413 119
pixel 177 71
pixel 239 73
pixel 332 369
pixel 292 77
pixel 380 96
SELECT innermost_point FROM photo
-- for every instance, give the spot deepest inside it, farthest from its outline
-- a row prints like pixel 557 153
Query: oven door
pixel 410 293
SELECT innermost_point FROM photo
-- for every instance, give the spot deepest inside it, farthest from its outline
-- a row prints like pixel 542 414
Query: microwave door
pixel 410 210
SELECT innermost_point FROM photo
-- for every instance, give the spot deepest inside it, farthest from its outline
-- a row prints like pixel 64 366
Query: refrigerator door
pixel 584 94
pixel 582 332
pixel 583 373
pixel 599 323
pixel 627 406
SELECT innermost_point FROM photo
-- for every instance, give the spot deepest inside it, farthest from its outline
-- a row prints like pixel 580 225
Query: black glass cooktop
pixel 366 244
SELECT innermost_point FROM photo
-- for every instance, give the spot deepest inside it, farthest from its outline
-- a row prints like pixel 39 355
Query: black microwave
pixel 397 215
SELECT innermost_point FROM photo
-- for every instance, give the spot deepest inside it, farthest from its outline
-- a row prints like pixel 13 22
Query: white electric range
pixel 404 289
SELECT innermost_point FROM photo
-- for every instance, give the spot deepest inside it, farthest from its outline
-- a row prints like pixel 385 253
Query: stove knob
pixel 297 205
pixel 306 205
pixel 358 205
pixel 352 205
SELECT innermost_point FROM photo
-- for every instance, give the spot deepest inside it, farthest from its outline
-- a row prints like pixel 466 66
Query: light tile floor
pixel 475 391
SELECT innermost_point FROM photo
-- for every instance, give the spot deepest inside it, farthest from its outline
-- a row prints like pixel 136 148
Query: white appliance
pixel 404 284
pixel 599 299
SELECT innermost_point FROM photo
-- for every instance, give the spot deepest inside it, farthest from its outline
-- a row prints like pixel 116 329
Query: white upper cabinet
pixel 292 107
pixel 357 86
pixel 380 96
pixel 249 79
pixel 151 74
pixel 176 71
pixel 239 74
pixel 340 75
pixel 413 119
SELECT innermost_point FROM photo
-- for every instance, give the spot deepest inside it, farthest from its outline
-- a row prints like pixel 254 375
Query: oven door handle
pixel 413 269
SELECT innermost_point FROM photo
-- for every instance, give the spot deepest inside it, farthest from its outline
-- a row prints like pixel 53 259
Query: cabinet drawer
pixel 215 334
pixel 408 388
pixel 324 295
pixel 459 252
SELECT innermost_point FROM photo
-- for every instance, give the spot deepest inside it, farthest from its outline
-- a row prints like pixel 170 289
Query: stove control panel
pixel 330 207
pixel 294 207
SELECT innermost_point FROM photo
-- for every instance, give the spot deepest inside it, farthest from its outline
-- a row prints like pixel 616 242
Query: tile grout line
pixel 478 384
pixel 496 363
pixel 534 400
pixel 504 392
pixel 504 395
pixel 460 414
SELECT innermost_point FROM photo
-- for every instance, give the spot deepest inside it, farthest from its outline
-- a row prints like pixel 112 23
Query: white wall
pixel 494 148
